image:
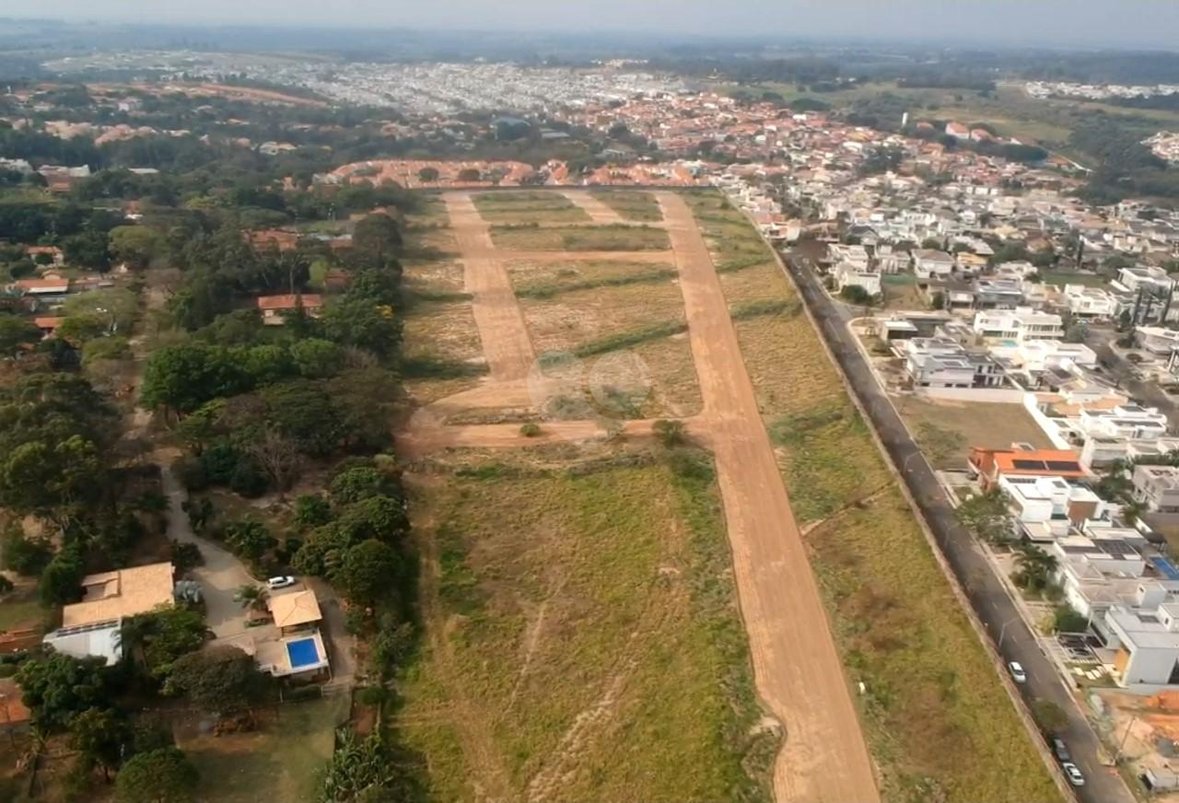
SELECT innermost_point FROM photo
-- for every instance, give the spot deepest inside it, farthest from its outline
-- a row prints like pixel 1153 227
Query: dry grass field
pixel 579 238
pixel 946 429
pixel 528 207
pixel 640 207
pixel 938 722
pixel 583 637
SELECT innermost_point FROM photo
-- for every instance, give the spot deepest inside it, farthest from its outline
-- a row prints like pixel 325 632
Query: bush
pixel 530 429
pixel 312 511
pixel 670 433
pixel 26 556
pixel 186 556
pixel 248 479
pixel 5 585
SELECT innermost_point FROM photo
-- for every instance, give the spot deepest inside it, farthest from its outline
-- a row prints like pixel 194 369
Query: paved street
pixel 986 592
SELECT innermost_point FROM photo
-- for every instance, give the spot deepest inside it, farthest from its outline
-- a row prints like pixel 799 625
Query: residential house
pixel 928 263
pixel 855 255
pixel 1157 340
pixel 889 260
pixel 1157 487
pixel 1022 323
pixel 848 274
pixel 46 289
pixel 92 627
pixel 1128 421
pixel 298 649
pixel 940 362
pixel 1145 637
pixel 992 464
pixel 1091 302
pixel 1144 277
pixel 275 309
pixel 997 294
pixel 1047 506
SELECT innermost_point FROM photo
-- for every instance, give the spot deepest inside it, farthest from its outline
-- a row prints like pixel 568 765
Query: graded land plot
pixel 442 353
pixel 938 722
pixel 283 758
pixel 733 242
pixel 580 238
pixel 549 279
pixel 632 205
pixel 946 430
pixel 900 292
pixel 582 635
pixel 528 207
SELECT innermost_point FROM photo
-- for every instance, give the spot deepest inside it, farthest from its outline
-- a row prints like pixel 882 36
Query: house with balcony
pixel 1127 421
pixel 1091 302
pixel 1157 487
pixel 940 362
pixel 1018 325
pixel 850 274
pixel 1004 294
pixel 1047 507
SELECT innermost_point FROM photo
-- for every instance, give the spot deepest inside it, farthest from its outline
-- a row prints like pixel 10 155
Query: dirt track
pixel 797 670
pixel 599 212
pixel 796 667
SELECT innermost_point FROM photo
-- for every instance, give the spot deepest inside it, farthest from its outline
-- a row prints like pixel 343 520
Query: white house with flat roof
pixel 1091 302
pixel 1145 638
pixel 1157 487
pixel 1019 324
pixel 1048 507
pixel 849 274
pixel 1128 421
pixel 942 362
pixel 1157 340
pixel 1134 279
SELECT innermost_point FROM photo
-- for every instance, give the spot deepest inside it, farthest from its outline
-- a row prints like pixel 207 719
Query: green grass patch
pixel 580 238
pixel 16 613
pixel 284 757
pixel 605 599
pixel 418 294
pixel 768 306
pixel 635 337
pixel 550 289
pixel 736 264
pixel 528 208
pixel 425 366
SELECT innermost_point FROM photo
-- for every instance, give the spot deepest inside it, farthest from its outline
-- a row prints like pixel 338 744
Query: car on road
pixel 1061 750
pixel 1016 670
pixel 1074 774
pixel 275 583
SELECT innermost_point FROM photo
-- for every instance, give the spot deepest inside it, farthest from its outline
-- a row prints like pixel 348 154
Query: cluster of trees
pixel 90 703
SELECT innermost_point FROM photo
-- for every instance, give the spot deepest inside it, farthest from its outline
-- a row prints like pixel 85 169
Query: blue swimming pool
pixel 302 653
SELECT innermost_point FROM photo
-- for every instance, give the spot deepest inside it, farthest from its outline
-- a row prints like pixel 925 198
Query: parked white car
pixel 1074 773
pixel 275 583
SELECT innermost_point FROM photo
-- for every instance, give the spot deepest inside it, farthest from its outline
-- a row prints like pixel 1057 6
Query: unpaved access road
pixel 797 670
pixel 598 211
pixel 509 354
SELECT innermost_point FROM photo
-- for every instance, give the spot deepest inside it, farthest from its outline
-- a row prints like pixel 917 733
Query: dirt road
pixel 599 212
pixel 509 353
pixel 796 667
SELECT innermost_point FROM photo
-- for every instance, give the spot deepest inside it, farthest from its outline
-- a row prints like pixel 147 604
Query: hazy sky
pixel 1052 23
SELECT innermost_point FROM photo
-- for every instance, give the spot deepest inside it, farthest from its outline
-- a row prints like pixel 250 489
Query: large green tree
pixel 220 679
pixel 100 736
pixel 185 376
pixel 157 776
pixel 16 333
pixel 368 573
pixel 56 687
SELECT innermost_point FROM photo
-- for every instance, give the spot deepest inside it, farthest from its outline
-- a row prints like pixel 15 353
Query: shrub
pixel 530 429
pixel 669 433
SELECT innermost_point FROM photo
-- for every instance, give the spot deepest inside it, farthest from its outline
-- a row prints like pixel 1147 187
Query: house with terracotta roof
pixel 92 627
pixel 41 288
pixel 991 465
pixel 275 309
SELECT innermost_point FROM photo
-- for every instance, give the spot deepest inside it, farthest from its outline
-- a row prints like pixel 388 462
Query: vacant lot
pixel 733 242
pixel 640 207
pixel 528 207
pixel 595 238
pixel 537 280
pixel 937 719
pixel 583 641
pixel 279 762
pixel 946 429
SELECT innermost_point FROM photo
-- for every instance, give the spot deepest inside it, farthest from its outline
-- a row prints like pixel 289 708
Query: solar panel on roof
pixel 1063 465
pixel 1119 549
pixel 1029 465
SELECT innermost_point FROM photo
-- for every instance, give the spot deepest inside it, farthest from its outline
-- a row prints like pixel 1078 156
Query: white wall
pixel 1150 665
pixel 1031 404
pixel 995 395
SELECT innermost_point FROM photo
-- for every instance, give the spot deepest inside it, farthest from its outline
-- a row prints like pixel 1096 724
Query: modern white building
pixel 1127 421
pixel 1157 340
pixel 1145 637
pixel 1134 279
pixel 1157 487
pixel 1091 302
pixel 941 362
pixel 850 274
pixel 928 263
pixel 1022 323
pixel 1048 507
pixel 856 255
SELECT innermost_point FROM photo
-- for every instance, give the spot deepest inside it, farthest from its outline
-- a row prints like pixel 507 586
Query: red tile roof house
pixel 42 287
pixel 274 309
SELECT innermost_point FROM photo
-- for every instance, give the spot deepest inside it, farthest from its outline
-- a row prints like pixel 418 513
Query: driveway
pixel 986 592
pixel 221 574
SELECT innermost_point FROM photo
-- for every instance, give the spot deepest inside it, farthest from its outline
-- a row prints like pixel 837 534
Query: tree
pixel 253 596
pixel 357 483
pixel 278 456
pixel 938 301
pixel 1049 716
pixel 136 246
pixel 156 640
pixel 1065 619
pixel 987 516
pixel 363 324
pixel 16 334
pixel 100 736
pixel 185 376
pixel 364 770
pixel 249 539
pixel 428 175
pixel 158 776
pixel 26 556
pixel 469 174
pixel 382 517
pixel 220 679
pixel 1036 570
pixel 56 687
pixel 312 511
pixel 88 250
pixel 316 359
pixel 61 581
pixel 670 433
pixel 376 238
pixel 368 573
